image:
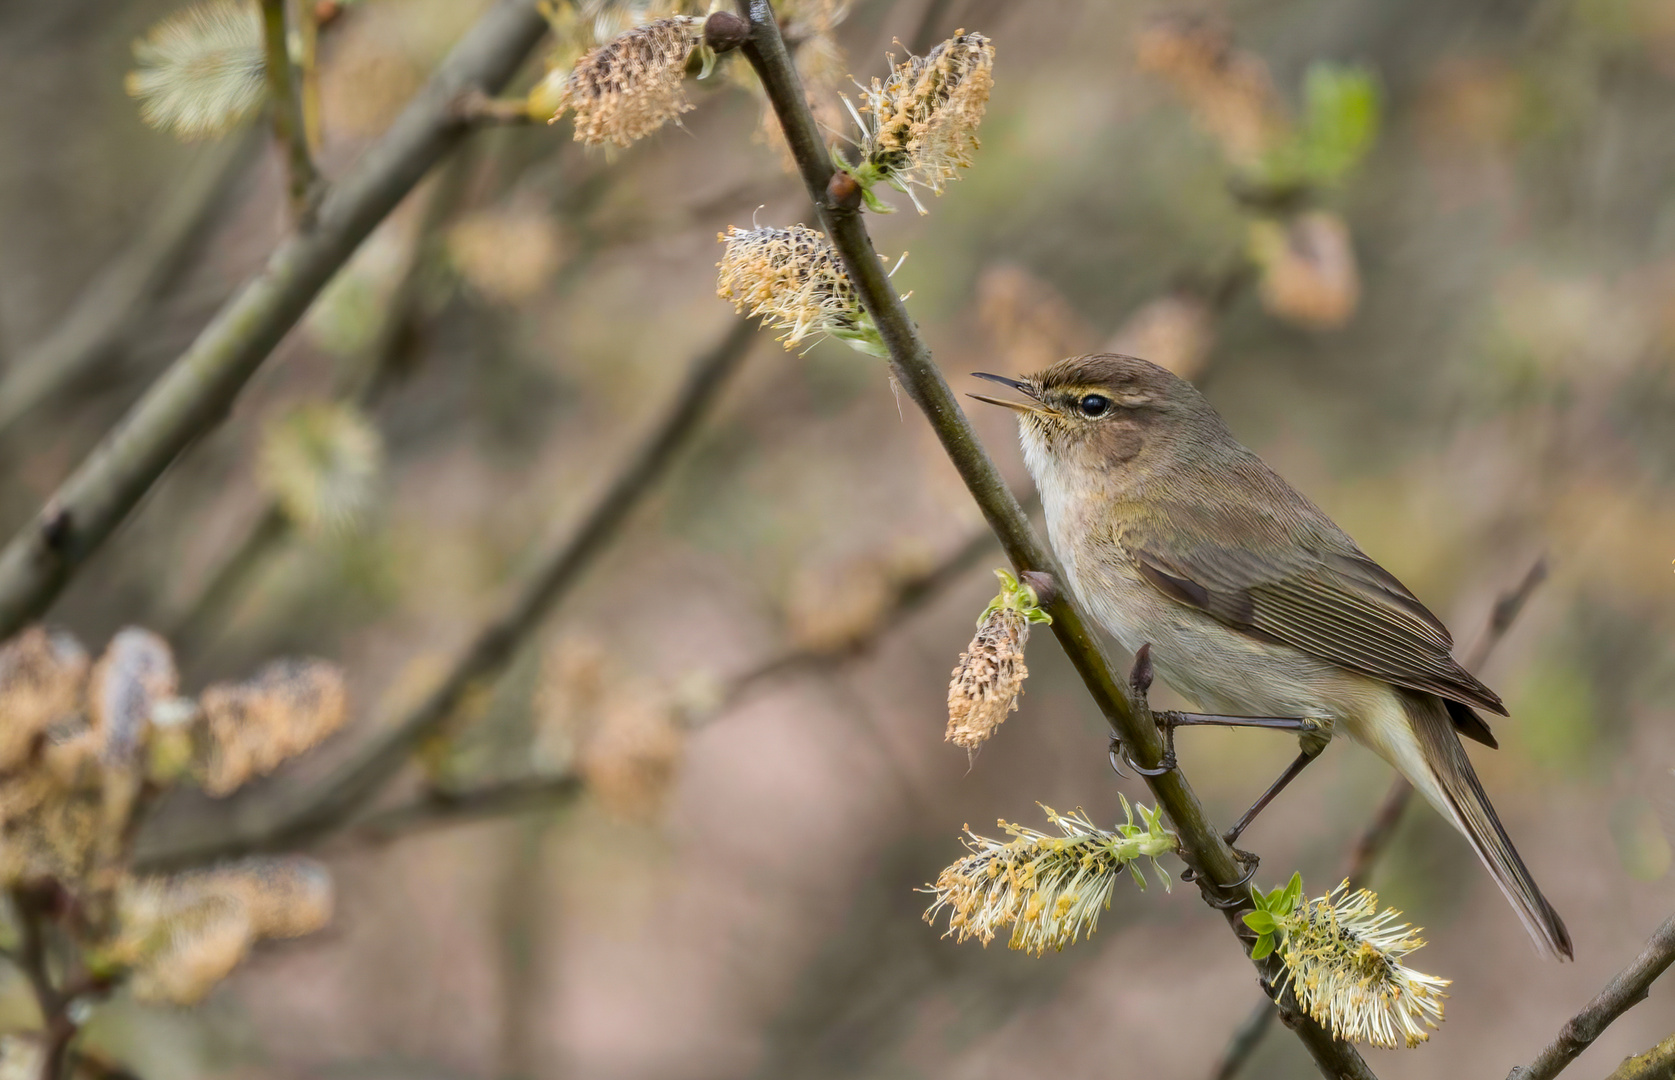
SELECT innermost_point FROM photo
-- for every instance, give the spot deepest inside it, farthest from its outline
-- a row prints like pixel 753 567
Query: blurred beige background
pixel 1504 388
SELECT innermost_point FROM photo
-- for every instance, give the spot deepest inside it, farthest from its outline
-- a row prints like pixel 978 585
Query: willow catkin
pixel 924 119
pixel 1229 91
pixel 253 727
pixel 989 679
pixel 628 87
pixel 1309 276
pixel 202 69
pixel 135 674
pixel 791 277
pixel 284 896
pixel 42 680
pixel 190 949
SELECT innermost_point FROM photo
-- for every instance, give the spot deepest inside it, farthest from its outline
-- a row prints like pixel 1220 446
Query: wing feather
pixel 1324 597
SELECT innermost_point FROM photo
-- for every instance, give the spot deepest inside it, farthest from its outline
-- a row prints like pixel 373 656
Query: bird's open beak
pixel 1025 388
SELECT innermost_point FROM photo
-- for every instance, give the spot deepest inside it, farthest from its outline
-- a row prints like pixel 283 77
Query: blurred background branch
pixel 333 802
pixel 195 393
pixel 89 335
pixel 1628 989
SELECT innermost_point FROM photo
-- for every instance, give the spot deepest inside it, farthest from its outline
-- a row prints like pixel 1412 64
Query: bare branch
pixel 1211 860
pixel 199 388
pixel 90 333
pixel 1621 994
pixel 436 809
pixel 290 128
pixel 57 1028
pixel 335 801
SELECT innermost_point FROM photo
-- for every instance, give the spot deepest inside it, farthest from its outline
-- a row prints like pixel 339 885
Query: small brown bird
pixel 1253 601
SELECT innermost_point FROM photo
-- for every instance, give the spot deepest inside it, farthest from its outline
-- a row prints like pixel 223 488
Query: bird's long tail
pixel 1459 795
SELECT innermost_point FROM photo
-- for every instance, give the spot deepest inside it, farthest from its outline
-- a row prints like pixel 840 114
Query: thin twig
pixel 91 331
pixel 198 389
pixel 333 803
pixel 1210 859
pixel 435 808
pixel 1621 994
pixel 1374 839
pixel 290 127
pixel 57 1028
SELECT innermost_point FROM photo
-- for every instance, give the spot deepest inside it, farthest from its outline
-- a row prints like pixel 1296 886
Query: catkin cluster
pixel 84 744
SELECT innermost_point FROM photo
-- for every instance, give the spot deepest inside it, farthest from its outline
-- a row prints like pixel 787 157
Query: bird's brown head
pixel 1090 420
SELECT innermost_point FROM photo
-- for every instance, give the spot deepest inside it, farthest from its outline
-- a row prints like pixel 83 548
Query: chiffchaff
pixel 1253 601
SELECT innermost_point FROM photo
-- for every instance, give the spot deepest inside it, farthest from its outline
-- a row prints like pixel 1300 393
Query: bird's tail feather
pixel 1467 804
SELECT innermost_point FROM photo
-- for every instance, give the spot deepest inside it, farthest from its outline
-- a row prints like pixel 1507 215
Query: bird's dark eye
pixel 1094 405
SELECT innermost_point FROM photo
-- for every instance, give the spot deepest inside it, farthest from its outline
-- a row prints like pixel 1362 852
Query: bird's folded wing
pixel 1337 605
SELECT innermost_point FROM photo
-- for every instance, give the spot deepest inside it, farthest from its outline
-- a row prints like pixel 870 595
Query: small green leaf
pixel 1342 110
pixel 1293 893
pixel 1260 921
pixel 1264 946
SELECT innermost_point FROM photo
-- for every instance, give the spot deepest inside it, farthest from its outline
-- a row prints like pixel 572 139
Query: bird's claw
pixel 1140 681
pixel 1119 752
pixel 1246 859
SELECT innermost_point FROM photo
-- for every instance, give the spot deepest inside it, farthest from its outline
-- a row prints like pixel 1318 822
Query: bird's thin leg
pixel 1140 681
pixel 1278 786
pixel 1272 723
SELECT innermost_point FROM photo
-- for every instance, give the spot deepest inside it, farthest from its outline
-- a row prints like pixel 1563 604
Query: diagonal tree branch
pixel 1211 860
pixel 1621 994
pixel 334 802
pixel 199 388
